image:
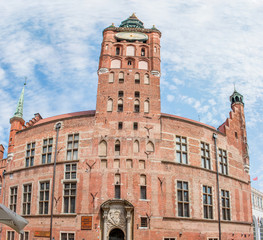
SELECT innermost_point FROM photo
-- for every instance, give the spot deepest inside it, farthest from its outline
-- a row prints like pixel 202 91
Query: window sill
pixel 144 200
pixel 143 228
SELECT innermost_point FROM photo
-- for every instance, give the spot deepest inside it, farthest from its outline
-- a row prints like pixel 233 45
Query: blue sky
pixel 207 46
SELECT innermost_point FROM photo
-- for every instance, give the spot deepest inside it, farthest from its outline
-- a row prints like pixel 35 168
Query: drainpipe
pixel 58 126
pixel 217 184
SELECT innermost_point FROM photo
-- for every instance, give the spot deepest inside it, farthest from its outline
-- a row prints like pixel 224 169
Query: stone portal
pixel 117 220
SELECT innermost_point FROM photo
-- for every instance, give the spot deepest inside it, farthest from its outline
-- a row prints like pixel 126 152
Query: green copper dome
pixel 236 97
pixel 132 22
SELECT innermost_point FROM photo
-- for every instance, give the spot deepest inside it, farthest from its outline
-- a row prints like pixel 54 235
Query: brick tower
pixel 129 73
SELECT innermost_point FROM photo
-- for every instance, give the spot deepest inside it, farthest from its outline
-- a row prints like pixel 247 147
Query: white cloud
pixel 170 98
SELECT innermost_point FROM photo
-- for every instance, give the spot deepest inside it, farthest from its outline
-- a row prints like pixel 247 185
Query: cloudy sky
pixel 207 47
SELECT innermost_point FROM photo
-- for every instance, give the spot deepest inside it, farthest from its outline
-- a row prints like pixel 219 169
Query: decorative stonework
pixel 117 214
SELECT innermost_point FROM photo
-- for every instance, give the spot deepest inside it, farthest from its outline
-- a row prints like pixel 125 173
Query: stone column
pixel 105 220
pixel 129 224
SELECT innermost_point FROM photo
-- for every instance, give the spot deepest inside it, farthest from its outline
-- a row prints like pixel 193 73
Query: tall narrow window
pixel 146 106
pixel 47 150
pixel 121 77
pixel 72 146
pixel 205 155
pixel 117 184
pixel 71 171
pixel 143 189
pixel 143 52
pixel 117 147
pixel 223 162
pixel 135 126
pixel 10 235
pixel 183 199
pixel 150 147
pixel 120 94
pixel 13 198
pixel 136 106
pixel 208 202
pixel 30 154
pixel 70 190
pixel 109 105
pixel 117 51
pixel 103 149
pixel 137 78
pixel 181 150
pixel 27 199
pixel 24 236
pixel 136 148
pixel 44 197
pixel 146 79
pixel 225 199
pixel 67 236
pixel 141 164
pixel 111 77
pixel 120 105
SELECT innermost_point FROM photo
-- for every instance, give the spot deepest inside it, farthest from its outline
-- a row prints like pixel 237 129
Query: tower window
pixel 146 106
pixel 150 147
pixel 129 63
pixel 120 105
pixel 143 187
pixel 135 126
pixel 117 147
pixel 143 52
pixel 130 50
pixel 109 105
pixel 137 78
pixel 136 146
pixel 146 79
pixel 117 51
pixel 120 94
pixel 103 149
pixel 117 183
pixel 120 125
pixel 136 106
pixel 121 77
pixel 137 94
pixel 111 77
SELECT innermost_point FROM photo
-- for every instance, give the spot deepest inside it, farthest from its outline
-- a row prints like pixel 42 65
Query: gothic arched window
pixel 150 147
pixel 146 79
pixel 120 105
pixel 117 147
pixel 111 77
pixel 121 77
pixel 146 106
pixel 137 106
pixel 136 146
pixel 137 78
pixel 103 149
pixel 109 105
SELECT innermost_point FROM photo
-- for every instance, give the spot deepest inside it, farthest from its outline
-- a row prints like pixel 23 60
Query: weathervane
pixel 25 80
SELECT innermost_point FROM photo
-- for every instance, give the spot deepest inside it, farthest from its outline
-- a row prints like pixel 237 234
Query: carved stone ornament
pixel 156 73
pixel 116 218
pixel 103 70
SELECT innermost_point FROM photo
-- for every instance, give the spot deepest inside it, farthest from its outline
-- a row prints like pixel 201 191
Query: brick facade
pixel 145 161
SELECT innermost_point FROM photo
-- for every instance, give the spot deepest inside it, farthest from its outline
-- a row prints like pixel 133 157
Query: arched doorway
pixel 116 234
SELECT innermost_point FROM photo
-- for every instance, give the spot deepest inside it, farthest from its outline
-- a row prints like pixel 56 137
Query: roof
pixel 132 22
pixel 67 115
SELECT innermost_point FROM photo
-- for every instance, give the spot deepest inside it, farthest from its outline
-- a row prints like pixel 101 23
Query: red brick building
pixel 126 170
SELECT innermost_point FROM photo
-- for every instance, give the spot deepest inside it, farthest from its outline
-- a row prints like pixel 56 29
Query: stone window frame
pixel 207 205
pixel 67 235
pixel 75 140
pixel 183 201
pixel 47 145
pixel 27 198
pixel 227 209
pixel 70 171
pixel 180 150
pixel 70 197
pixel 30 154
pixel 13 192
pixel 204 158
pixel 24 236
pixel 46 200
pixel 223 161
pixel 10 235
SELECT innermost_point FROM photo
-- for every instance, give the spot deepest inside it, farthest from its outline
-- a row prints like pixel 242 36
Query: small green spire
pixel 20 104
pixel 132 22
pixel 236 97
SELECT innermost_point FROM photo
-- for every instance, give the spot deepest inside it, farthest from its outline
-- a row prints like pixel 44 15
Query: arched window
pixel 103 149
pixel 137 106
pixel 155 49
pixel 111 77
pixel 136 146
pixel 117 184
pixel 130 50
pixel 143 189
pixel 150 147
pixel 137 78
pixel 117 148
pixel 146 79
pixel 146 106
pixel 121 77
pixel 143 52
pixel 120 105
pixel 143 65
pixel 109 105
pixel 116 63
pixel 117 51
